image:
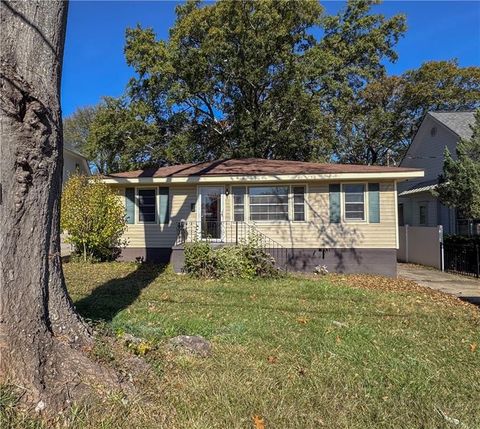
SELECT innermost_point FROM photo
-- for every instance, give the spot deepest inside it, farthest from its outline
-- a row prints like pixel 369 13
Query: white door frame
pixel 222 210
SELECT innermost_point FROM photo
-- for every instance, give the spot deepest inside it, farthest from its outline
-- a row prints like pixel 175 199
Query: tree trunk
pixel 41 335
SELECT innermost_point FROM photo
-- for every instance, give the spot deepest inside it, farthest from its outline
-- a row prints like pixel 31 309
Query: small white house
pixel 73 161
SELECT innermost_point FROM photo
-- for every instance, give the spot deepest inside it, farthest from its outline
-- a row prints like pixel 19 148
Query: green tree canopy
pixel 384 116
pixel 76 127
pixel 244 78
pixel 460 182
pixel 120 137
pixel 249 79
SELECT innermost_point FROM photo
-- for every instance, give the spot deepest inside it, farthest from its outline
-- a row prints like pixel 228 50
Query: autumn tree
pixel 94 218
pixel 41 335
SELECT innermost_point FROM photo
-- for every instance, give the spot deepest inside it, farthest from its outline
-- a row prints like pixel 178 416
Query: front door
pixel 211 212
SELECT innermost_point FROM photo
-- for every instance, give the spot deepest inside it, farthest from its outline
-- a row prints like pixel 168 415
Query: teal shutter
pixel 130 205
pixel 164 209
pixel 334 199
pixel 374 203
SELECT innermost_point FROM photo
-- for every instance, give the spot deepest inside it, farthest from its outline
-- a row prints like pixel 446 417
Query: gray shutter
pixel 130 205
pixel 334 198
pixel 163 212
pixel 374 203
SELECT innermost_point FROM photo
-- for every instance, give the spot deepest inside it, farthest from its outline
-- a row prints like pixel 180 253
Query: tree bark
pixel 41 335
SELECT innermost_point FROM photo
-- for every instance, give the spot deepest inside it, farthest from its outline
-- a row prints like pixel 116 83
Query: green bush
pixel 461 239
pixel 245 260
pixel 93 217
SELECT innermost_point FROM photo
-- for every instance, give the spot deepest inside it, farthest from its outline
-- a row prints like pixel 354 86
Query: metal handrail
pixel 229 232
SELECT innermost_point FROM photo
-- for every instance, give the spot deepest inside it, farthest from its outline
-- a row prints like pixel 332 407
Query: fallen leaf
pixel 258 422
pixel 473 347
pixel 272 359
pixel 302 320
pixel 338 339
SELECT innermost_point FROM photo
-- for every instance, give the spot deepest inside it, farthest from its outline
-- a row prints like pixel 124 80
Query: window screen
pixel 298 203
pixel 146 205
pixel 354 202
pixel 268 203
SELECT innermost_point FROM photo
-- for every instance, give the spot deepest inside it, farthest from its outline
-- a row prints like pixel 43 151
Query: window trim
pixel 245 203
pixel 290 203
pixel 292 196
pixel 365 203
pixel 137 205
pixel 265 221
pixel 420 205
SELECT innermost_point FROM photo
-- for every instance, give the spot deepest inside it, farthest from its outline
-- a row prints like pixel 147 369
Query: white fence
pixel 421 245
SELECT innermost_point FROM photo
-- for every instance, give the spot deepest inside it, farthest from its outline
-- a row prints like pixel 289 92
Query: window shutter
pixel 374 202
pixel 130 205
pixel 164 209
pixel 334 198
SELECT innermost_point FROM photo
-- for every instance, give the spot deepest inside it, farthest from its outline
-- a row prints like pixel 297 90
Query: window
pixel 238 203
pixel 354 202
pixel 268 203
pixel 298 203
pixel 146 205
pixel 423 214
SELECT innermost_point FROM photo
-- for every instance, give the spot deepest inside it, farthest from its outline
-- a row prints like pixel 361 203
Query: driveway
pixel 466 288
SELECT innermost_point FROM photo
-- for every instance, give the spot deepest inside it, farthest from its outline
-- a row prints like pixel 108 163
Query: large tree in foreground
pixel 41 335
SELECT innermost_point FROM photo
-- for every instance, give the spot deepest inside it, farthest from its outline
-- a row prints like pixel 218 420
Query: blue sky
pixel 94 64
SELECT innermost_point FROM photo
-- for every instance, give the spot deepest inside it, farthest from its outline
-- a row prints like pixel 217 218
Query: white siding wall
pixel 72 162
pixel 427 151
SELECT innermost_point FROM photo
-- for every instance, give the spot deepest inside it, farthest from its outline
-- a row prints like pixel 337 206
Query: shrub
pixel 94 218
pixel 245 260
pixel 199 259
pixel 461 239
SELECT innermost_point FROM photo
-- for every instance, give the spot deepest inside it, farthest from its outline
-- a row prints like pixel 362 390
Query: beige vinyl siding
pixel 156 235
pixel 314 232
pixel 318 232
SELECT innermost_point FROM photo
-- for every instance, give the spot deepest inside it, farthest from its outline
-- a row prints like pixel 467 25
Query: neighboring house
pixel 341 216
pixel 73 161
pixel 417 205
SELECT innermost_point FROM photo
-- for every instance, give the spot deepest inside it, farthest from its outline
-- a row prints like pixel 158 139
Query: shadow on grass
pixel 108 299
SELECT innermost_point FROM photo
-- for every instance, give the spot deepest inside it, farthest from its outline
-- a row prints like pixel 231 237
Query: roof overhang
pixel 398 176
pixel 418 190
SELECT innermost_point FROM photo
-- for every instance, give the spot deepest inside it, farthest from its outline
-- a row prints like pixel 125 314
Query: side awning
pixel 420 187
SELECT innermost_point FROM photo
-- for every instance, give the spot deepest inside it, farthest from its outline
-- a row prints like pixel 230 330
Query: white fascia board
pixel 401 175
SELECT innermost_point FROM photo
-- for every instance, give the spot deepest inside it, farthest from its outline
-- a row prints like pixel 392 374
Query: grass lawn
pixel 297 352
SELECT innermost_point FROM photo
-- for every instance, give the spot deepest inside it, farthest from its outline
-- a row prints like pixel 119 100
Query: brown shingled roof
pixel 256 166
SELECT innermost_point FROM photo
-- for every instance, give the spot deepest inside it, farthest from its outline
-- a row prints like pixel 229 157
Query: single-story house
pixel 417 204
pixel 308 214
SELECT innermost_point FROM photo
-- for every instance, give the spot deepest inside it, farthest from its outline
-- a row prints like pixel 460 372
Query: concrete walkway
pixel 466 288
